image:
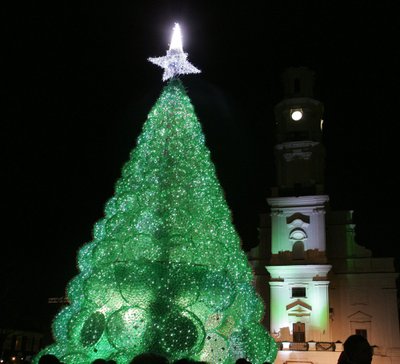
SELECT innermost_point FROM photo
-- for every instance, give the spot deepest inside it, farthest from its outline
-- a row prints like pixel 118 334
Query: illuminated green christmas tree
pixel 165 272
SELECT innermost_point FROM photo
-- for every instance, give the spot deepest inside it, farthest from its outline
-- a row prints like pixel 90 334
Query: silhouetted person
pixel 49 359
pixel 100 361
pixel 356 350
pixel 242 361
pixel 149 358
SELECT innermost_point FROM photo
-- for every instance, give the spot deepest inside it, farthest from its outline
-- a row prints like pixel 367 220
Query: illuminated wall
pixel 289 305
pixel 298 219
pixel 299 284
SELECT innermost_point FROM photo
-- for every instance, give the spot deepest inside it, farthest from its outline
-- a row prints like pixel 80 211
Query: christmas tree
pixel 165 272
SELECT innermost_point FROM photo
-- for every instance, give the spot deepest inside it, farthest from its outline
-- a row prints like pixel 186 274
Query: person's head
pixel 356 350
pixel 99 361
pixel 149 358
pixel 241 361
pixel 49 359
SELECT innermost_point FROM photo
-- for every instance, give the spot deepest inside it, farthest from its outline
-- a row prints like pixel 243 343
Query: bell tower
pixel 299 297
pixel 299 154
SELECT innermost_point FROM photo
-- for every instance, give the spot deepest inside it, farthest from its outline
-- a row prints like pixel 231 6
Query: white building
pixel 318 284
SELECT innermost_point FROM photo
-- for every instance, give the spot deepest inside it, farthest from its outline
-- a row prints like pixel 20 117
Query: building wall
pixel 19 343
pixel 362 292
pixel 366 301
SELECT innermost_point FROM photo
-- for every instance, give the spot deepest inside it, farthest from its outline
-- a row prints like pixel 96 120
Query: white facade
pixel 318 284
pixel 298 220
pixel 312 310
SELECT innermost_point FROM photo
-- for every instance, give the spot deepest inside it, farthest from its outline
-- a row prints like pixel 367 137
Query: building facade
pixel 318 284
pixel 19 346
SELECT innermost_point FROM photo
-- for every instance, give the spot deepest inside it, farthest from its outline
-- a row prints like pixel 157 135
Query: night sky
pixel 76 88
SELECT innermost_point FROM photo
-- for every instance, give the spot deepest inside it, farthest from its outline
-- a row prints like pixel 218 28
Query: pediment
pixel 298 308
pixel 359 316
pixel 298 220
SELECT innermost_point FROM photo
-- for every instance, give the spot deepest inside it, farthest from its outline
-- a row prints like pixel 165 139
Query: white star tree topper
pixel 175 62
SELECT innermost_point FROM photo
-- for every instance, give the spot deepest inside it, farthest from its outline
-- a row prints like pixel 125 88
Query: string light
pixel 165 271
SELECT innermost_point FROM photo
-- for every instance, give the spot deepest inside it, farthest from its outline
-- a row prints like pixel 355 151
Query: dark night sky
pixel 76 88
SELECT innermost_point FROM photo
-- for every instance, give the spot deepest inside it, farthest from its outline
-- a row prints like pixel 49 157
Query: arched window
pixel 298 250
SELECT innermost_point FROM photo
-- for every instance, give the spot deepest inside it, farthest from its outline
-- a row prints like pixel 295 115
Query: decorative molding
pixel 296 154
pixel 298 303
pixel 298 145
pixel 308 271
pixel 298 308
pixel 298 234
pixel 299 314
pixel 298 220
pixel 360 316
pixel 297 201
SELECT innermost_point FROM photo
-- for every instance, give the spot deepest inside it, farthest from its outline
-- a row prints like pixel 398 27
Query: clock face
pixel 296 115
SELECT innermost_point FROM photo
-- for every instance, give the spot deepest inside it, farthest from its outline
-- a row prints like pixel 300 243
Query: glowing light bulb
pixel 296 115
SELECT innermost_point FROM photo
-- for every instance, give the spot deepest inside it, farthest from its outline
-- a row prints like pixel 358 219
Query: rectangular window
pixel 362 333
pixel 298 292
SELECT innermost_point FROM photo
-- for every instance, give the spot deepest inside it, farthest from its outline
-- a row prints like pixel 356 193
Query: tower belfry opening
pixel 298 82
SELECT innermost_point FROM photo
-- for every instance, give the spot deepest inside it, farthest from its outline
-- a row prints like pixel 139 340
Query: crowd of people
pixel 356 350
